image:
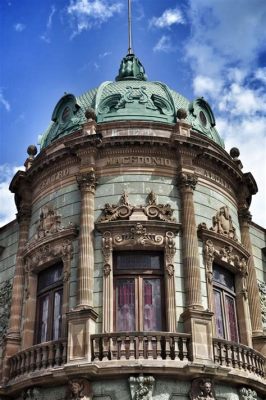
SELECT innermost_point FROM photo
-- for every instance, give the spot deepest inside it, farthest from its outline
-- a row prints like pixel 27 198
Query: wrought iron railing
pixel 141 345
pixel 234 355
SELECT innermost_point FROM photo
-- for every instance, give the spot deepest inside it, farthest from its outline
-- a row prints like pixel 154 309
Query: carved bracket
pixel 125 211
pixel 141 387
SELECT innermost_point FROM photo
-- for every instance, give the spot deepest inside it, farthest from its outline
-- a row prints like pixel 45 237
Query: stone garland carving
pixel 222 223
pixel 202 389
pixel 48 252
pixel 5 304
pixel 141 387
pixel 107 251
pixel 170 250
pixel 79 389
pixel 247 394
pixel 262 291
pixel 226 254
pixel 123 210
pixel 138 235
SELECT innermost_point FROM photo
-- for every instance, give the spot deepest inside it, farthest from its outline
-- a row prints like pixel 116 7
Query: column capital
pixel 245 215
pixel 187 180
pixel 87 181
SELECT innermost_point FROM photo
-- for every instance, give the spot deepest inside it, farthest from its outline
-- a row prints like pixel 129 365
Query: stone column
pixel 252 284
pixel 87 184
pixel 13 337
pixel 187 183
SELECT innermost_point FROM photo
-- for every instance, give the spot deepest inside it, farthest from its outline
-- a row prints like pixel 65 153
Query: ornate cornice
pixel 125 211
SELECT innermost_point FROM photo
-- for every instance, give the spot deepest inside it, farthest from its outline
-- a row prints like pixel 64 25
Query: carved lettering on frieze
pixel 262 291
pixel 140 160
pixel 125 211
pixel 5 304
pixel 222 223
pixel 57 176
pixel 141 387
pixel 202 389
pixel 138 235
pixel 214 177
pixel 247 394
pixel 79 389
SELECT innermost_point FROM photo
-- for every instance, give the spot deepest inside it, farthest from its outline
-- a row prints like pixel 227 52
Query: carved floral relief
pixel 262 291
pixel 247 394
pixel 5 304
pixel 141 387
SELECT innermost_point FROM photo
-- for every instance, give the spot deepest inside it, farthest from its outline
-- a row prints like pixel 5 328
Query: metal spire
pixel 130 51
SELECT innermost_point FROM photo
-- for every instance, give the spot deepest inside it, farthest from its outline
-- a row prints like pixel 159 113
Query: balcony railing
pixel 42 356
pixel 238 356
pixel 141 345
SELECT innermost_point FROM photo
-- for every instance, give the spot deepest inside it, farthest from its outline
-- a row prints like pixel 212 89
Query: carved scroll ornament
pixel 226 254
pixel 141 387
pixel 138 235
pixel 47 253
pixel 262 291
pixel 247 394
pixel 124 210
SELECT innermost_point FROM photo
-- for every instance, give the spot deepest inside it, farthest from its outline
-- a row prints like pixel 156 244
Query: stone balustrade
pixel 42 356
pixel 141 345
pixel 234 355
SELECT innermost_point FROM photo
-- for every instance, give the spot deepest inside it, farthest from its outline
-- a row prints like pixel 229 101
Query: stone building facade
pixel 133 269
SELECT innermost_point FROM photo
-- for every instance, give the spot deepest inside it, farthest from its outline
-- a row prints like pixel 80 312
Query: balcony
pixel 141 345
pixel 238 356
pixel 38 358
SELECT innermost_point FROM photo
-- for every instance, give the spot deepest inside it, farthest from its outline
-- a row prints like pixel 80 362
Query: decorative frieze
pixel 5 304
pixel 247 394
pixel 138 235
pixel 262 291
pixel 141 387
pixel 125 211
pixel 202 389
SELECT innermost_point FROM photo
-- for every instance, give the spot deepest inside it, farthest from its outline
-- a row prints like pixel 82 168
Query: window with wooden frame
pixel 49 304
pixel 138 291
pixel 225 304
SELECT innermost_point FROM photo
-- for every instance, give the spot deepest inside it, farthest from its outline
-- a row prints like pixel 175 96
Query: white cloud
pixel 260 74
pixel 4 102
pixel 168 18
pixel 164 44
pixel 105 54
pixel 222 52
pixel 46 35
pixel 19 27
pixel 7 203
pixel 85 14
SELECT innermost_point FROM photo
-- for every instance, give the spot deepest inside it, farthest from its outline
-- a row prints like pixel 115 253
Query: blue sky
pixel 210 48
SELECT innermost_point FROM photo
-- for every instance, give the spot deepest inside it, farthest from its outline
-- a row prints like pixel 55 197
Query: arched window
pixel 224 304
pixel 138 287
pixel 49 304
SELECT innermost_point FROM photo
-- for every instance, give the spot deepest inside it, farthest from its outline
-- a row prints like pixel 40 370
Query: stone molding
pixel 202 389
pixel 247 394
pixel 125 211
pixel 141 387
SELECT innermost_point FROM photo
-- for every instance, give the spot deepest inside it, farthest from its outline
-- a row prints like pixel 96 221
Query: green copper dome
pixel 130 97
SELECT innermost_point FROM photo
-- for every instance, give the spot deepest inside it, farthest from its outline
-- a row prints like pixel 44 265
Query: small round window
pixel 203 118
pixel 66 114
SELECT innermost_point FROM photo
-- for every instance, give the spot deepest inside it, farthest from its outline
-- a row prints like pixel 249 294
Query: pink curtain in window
pixel 125 309
pixel 152 313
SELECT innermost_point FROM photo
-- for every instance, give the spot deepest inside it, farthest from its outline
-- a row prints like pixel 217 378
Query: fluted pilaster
pixel 187 183
pixel 87 184
pixel 252 285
